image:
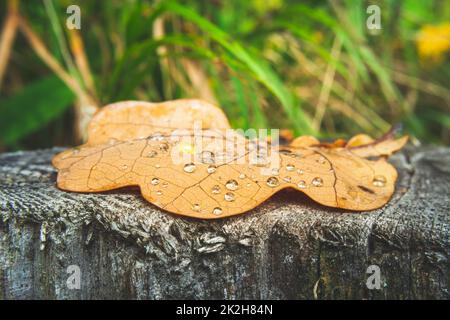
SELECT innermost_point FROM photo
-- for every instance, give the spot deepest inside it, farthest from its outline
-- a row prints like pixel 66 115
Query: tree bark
pixel 287 248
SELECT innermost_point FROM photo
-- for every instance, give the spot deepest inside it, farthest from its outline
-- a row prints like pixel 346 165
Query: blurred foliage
pixel 310 66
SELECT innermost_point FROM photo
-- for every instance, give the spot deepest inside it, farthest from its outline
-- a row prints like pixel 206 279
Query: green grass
pixel 263 62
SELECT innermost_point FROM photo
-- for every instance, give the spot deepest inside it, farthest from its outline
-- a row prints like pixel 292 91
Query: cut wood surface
pixel 287 248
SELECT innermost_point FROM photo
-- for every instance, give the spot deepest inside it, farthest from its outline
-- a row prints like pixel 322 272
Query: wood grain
pixel 128 248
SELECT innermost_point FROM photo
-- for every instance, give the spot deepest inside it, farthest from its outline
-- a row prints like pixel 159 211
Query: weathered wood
pixel 288 248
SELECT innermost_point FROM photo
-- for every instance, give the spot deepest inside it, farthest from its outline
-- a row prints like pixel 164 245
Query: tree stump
pixel 287 248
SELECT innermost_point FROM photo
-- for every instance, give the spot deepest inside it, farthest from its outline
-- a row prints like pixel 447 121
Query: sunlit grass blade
pixel 260 68
pixel 240 98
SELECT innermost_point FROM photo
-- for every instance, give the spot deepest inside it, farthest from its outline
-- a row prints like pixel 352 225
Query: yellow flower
pixel 433 42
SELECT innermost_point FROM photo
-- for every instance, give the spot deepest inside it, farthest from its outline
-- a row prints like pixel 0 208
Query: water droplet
pixel 290 167
pixel 287 179
pixel 301 184
pixel 207 157
pixel 75 151
pixel 164 147
pixel 300 171
pixel 211 169
pixel 275 171
pixel 379 181
pixel 217 211
pixel 321 160
pixel 155 181
pixel 242 176
pixel 156 137
pixel 248 185
pixel 196 207
pixel 215 189
pixel 159 193
pixel 158 165
pixel 123 167
pixel 189 168
pixel 231 185
pixel 229 196
pixel 152 154
pixel 317 182
pixel 112 142
pixel 165 184
pixel 272 182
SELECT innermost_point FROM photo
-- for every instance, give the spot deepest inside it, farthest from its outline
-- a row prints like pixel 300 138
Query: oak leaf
pixel 138 119
pixel 211 172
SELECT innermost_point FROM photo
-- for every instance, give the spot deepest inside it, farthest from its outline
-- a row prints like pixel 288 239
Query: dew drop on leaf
pixel 156 137
pixel 317 182
pixel 231 185
pixel 196 207
pixel 229 196
pixel 321 160
pixel 164 147
pixel 215 189
pixel 272 182
pixel 155 181
pixel 152 154
pixel 301 184
pixel 217 211
pixel 379 181
pixel 189 168
pixel 211 169
pixel 207 157
pixel 290 167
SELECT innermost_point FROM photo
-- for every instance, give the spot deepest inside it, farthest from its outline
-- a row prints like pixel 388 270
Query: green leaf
pixel 32 108
pixel 438 117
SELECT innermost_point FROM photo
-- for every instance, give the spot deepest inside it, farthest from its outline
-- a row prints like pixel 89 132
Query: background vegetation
pixel 309 66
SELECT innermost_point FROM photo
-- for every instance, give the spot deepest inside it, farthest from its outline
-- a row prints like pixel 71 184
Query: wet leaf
pixel 211 173
pixel 138 119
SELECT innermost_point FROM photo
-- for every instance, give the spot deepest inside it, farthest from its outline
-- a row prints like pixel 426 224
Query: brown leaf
pixel 212 173
pixel 137 119
pixel 383 147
